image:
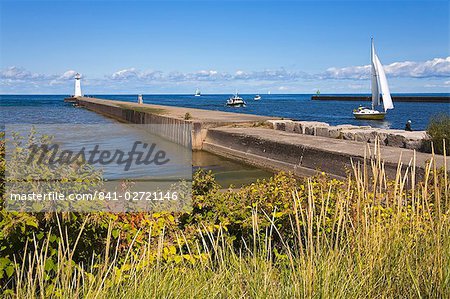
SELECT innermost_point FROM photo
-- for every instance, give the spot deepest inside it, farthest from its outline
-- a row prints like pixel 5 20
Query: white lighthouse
pixel 77 86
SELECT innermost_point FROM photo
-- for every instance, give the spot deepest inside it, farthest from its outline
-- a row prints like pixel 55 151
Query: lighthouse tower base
pixel 77 93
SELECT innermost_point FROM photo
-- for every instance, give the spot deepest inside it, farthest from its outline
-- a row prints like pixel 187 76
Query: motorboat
pixel 236 101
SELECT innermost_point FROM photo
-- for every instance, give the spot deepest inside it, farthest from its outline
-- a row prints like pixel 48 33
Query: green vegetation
pixel 439 131
pixel 281 238
pixel 187 116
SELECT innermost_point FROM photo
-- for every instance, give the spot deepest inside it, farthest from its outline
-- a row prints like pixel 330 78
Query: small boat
pixel 197 93
pixel 236 101
pixel 380 91
pixel 367 113
pixel 257 97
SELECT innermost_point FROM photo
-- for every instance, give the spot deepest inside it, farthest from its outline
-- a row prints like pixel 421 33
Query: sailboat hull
pixel 375 115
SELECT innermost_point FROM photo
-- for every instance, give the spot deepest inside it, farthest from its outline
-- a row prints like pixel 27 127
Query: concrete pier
pixel 189 121
pixel 303 148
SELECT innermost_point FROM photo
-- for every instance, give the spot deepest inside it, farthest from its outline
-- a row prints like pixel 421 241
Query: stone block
pixel 334 132
pixel 395 138
pixel 298 127
pixel 323 131
pixel 410 140
pixel 290 126
pixel 280 124
pixel 309 127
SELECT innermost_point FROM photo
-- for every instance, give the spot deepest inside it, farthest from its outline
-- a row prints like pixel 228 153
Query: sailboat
pixel 197 93
pixel 380 90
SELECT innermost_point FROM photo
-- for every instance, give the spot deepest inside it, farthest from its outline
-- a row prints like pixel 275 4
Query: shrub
pixel 439 131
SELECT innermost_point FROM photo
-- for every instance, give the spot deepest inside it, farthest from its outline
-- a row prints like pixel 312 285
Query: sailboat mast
pixel 374 75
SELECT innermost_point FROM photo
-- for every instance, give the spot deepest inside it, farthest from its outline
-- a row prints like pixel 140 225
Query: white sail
pixel 374 76
pixel 387 100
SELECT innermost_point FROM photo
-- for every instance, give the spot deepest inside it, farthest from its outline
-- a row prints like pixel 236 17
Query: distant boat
pixel 379 84
pixel 198 93
pixel 236 101
pixel 257 97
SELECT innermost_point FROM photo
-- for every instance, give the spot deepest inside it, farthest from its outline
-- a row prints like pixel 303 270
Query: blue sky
pixel 220 46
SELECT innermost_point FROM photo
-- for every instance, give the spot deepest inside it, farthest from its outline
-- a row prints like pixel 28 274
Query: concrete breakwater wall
pixel 175 130
pixel 305 155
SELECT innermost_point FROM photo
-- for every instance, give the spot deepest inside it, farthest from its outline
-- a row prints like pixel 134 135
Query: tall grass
pixel 386 239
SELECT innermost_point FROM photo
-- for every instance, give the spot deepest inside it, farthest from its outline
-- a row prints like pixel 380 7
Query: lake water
pixel 86 128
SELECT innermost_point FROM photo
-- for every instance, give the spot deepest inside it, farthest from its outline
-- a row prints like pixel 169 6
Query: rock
pixel 280 124
pixel 364 135
pixel 340 130
pixel 396 140
pixel 290 127
pixel 309 127
pixel 298 127
pixel 400 138
pixel 334 132
pixel 323 131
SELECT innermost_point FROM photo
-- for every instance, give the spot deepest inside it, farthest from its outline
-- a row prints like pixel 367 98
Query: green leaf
pixel 32 222
pixel 115 233
pixel 49 265
pixel 9 270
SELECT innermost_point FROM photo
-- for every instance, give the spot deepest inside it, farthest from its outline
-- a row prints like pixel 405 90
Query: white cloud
pixel 352 72
pixel 68 75
pixel 125 74
pixel 16 78
pixel 437 67
pixel 62 79
pixel 18 73
pixel 208 75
